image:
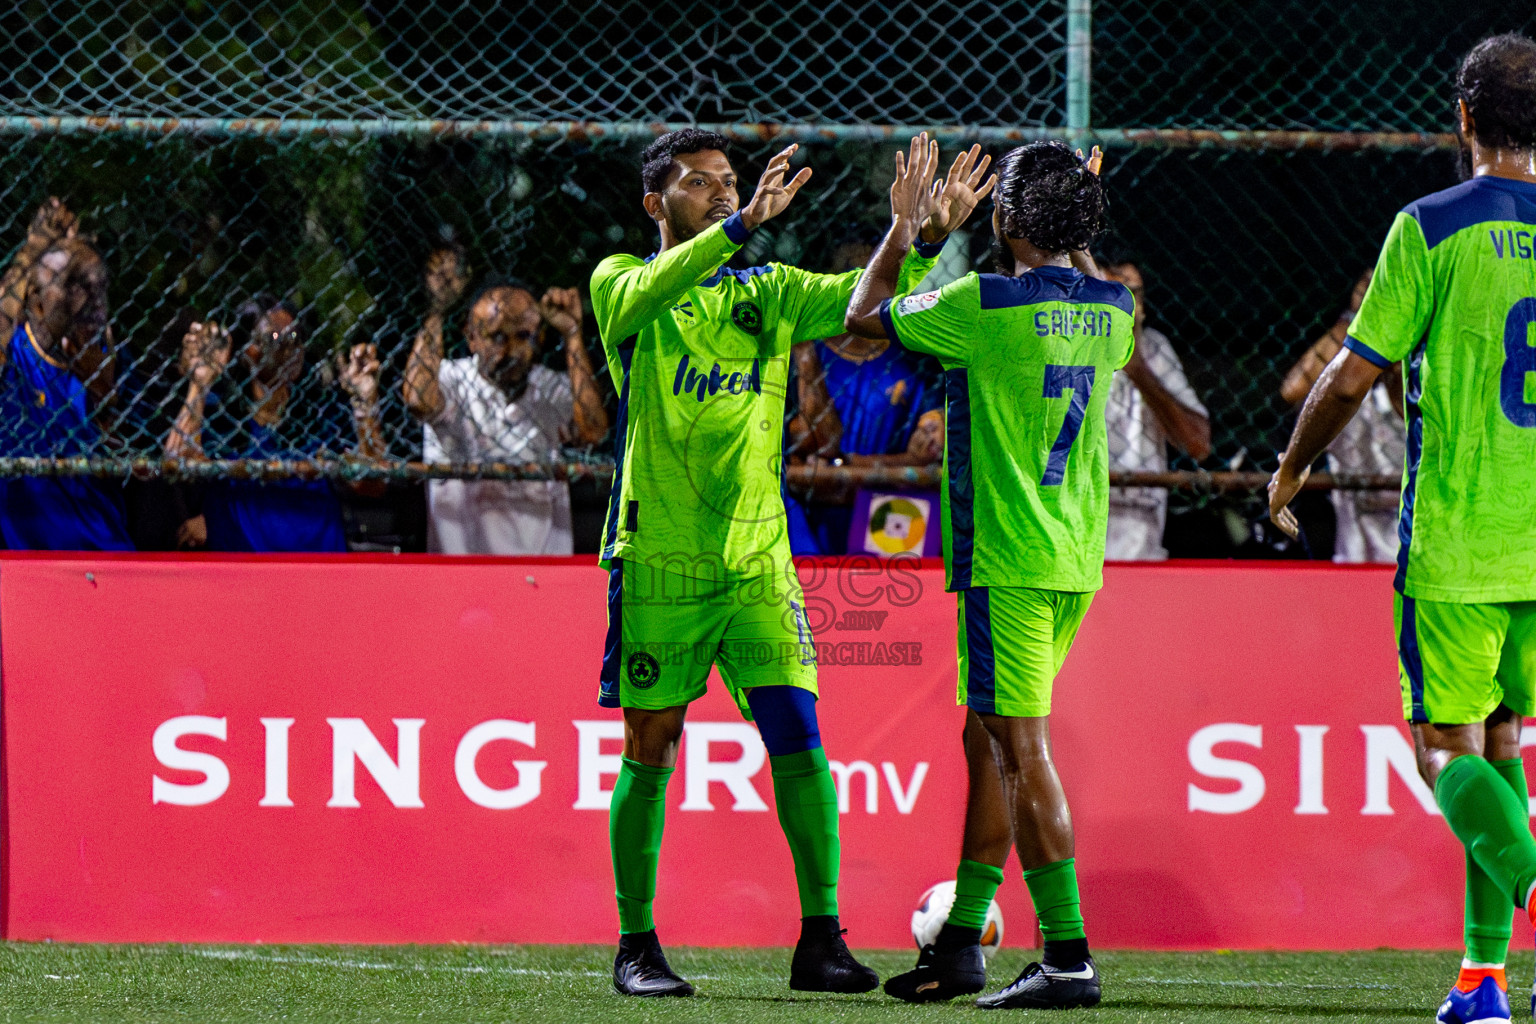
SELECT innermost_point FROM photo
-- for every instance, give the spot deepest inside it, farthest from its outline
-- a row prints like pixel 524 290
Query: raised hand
pixel 1084 262
pixel 773 195
pixel 561 309
pixel 913 196
pixel 445 277
pixel 1094 160
pixel 52 222
pixel 205 350
pixel 958 194
pixel 359 373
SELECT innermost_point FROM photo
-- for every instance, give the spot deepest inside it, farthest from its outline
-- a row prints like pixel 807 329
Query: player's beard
pixel 683 233
pixel 682 229
pixel 510 376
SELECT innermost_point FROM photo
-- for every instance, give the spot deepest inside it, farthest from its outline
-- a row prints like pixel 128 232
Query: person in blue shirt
pixel 856 410
pixel 267 347
pixel 56 377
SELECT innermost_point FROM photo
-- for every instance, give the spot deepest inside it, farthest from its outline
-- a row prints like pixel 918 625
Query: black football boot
pixel 951 965
pixel 641 968
pixel 822 962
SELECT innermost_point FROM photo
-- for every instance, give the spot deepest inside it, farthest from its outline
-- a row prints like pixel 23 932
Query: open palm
pixel 913 193
pixel 359 372
pixel 959 193
pixel 205 352
pixel 773 193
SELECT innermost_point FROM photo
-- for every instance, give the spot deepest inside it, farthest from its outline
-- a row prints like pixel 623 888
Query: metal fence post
pixel 1079 68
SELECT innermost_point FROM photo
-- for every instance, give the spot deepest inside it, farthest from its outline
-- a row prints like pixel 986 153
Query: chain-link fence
pixel 318 152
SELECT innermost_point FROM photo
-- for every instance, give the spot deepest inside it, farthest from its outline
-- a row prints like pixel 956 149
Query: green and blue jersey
pixel 1027 367
pixel 699 354
pixel 1454 298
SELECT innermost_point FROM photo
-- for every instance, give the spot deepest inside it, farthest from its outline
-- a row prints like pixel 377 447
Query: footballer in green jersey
pixel 1028 354
pixel 1454 298
pixel 696 540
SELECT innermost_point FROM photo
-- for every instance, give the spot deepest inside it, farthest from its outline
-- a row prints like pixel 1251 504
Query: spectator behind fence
pixel 854 409
pixel 282 515
pixel 499 405
pixel 1371 444
pixel 1150 406
pixel 163 514
pixel 57 372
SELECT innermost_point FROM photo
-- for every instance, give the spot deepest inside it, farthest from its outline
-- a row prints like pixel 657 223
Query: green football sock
pixel 1057 904
pixel 635 817
pixel 807 802
pixel 1487 923
pixel 975 885
pixel 1492 823
pixel 1513 772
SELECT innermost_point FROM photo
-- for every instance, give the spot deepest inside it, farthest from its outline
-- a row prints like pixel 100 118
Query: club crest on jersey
pixel 643 670
pixel 748 317
pixel 917 303
pixel 703 385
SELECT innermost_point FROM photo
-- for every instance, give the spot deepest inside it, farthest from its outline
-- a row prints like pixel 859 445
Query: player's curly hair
pixel 1046 193
pixel 656 161
pixel 1497 80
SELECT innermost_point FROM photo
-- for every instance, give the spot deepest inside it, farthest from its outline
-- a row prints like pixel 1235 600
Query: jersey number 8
pixel 1519 360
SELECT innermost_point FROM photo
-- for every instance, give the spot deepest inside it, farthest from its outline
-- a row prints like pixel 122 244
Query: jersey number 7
pixel 1079 379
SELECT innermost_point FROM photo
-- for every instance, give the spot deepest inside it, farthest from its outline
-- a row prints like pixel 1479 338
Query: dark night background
pixel 1249 255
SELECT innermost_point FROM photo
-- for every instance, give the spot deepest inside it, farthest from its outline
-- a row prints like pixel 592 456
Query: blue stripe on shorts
pixel 980 674
pixel 613 643
pixel 1413 661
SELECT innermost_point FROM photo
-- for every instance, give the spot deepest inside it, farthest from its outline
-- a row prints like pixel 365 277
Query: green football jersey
pixel 1454 295
pixel 700 356
pixel 1028 362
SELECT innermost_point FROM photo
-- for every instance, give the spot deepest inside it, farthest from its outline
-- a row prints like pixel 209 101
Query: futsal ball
pixel 933 909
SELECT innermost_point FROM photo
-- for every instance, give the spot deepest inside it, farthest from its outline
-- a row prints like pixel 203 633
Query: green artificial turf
pixel 58 982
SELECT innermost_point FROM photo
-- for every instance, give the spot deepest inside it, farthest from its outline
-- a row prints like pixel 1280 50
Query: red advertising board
pixel 398 749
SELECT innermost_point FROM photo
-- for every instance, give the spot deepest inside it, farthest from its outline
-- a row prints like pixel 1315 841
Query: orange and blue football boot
pixel 1478 998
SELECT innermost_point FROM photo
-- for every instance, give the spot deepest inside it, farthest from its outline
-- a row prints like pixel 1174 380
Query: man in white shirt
pixel 498 405
pixel 1371 444
pixel 1150 405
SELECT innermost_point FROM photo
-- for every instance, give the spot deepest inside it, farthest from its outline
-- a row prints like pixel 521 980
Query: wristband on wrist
pixel 928 250
pixel 735 229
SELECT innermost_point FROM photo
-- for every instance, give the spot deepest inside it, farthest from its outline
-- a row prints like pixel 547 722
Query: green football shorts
pixel 1013 641
pixel 665 630
pixel 1457 662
